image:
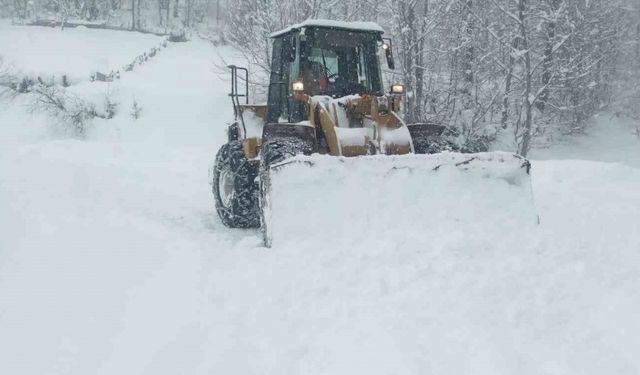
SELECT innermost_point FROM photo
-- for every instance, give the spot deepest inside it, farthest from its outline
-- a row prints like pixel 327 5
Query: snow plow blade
pixel 347 200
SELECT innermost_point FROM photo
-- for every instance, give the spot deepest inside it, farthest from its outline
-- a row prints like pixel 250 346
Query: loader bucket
pixel 345 201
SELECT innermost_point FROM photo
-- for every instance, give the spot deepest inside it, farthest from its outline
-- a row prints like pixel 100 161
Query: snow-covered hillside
pixel 75 52
pixel 112 260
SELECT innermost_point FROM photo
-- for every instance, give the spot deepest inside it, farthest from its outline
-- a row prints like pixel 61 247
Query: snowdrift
pixel 349 200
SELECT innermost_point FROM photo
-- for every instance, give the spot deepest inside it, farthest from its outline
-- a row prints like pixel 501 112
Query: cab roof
pixel 356 26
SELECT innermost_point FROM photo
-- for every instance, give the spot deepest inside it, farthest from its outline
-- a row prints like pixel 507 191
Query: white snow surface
pixel 75 52
pixel 112 260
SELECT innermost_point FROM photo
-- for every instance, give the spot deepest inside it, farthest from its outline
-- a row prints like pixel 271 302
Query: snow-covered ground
pixel 609 139
pixel 112 259
pixel 75 52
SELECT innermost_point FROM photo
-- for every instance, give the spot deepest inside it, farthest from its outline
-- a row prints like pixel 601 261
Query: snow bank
pixel 323 198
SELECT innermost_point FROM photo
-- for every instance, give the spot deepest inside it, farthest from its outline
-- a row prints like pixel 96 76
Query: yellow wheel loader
pixel 327 121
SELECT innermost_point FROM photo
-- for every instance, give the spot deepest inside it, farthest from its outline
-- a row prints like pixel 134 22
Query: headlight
pixel 385 46
pixel 297 86
pixel 397 88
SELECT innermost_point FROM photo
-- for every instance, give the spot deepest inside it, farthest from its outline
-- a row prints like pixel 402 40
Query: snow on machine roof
pixel 358 26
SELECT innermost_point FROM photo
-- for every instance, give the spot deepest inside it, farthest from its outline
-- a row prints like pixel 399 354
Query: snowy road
pixel 112 261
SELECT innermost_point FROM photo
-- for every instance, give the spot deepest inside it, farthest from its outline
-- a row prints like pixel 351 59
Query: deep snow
pixel 113 261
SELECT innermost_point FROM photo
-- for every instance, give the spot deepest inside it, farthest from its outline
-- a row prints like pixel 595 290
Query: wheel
pixel 429 138
pixel 234 189
pixel 271 152
pixel 433 144
pixel 278 149
pixel 429 145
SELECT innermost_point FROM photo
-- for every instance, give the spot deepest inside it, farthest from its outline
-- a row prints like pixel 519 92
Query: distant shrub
pixel 136 110
pixel 110 107
pixel 178 36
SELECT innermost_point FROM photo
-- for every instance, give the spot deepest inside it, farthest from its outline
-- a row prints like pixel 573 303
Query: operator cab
pixel 323 58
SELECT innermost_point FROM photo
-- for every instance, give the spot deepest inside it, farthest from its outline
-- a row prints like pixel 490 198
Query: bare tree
pixel 133 14
pixel 7 79
pixel 551 16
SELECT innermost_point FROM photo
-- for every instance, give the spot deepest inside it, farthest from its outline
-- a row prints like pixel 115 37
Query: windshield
pixel 340 62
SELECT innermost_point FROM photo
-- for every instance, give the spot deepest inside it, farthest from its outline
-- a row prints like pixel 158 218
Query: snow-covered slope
pixel 112 261
pixel 75 52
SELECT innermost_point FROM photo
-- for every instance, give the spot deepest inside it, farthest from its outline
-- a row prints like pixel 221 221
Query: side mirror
pixel 388 52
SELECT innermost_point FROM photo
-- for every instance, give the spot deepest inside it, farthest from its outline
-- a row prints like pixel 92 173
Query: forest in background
pixel 524 71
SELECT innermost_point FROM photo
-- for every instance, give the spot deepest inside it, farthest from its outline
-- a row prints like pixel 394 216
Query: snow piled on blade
pixel 321 199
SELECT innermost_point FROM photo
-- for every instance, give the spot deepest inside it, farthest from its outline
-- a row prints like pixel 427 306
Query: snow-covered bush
pixel 110 107
pixel 136 110
pixel 69 111
pixel 178 36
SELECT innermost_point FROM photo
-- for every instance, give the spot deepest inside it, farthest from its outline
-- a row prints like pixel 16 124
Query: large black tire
pixel 234 188
pixel 278 149
pixel 271 152
pixel 430 138
pixel 432 145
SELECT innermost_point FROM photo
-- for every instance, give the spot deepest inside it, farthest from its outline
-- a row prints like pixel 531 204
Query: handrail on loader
pixel 236 95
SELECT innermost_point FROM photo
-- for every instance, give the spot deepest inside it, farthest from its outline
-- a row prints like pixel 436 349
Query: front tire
pixel 234 189
pixel 430 145
pixel 429 138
